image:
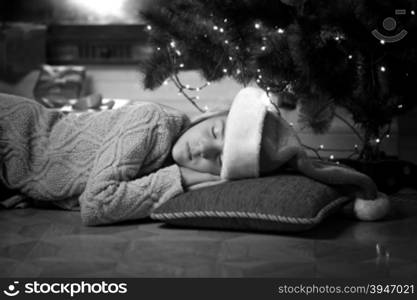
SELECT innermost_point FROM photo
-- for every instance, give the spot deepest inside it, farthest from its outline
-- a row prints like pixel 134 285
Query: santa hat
pixel 242 153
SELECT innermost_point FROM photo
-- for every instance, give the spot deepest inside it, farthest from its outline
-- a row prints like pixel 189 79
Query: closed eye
pixel 212 131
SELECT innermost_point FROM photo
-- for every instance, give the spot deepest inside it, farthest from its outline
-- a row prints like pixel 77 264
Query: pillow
pixel 285 202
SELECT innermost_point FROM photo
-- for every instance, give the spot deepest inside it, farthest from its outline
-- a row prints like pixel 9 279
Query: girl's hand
pixel 191 177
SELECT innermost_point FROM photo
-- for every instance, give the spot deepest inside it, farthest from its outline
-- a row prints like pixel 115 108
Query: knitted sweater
pixel 112 165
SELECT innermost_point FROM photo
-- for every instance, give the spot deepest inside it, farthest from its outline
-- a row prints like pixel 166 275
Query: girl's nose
pixel 207 149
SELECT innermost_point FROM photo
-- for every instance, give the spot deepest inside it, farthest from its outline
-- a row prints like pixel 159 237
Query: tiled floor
pixel 52 243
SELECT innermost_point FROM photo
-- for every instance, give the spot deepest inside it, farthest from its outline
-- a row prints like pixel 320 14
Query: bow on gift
pixel 53 75
pixel 56 84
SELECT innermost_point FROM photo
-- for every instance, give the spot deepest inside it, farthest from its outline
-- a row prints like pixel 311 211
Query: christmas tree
pixel 360 55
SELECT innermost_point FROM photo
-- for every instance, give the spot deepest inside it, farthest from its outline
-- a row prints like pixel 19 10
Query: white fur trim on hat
pixel 243 134
pixel 372 210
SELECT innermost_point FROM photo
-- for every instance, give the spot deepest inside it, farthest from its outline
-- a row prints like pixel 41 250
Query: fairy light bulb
pixel 215 27
pixel 197 97
pixel 238 71
pixel 225 70
pixel 172 44
pixel 331 156
pixel 350 56
pixel 178 52
pixel 413 12
pixel 383 69
pixel 321 146
pixel 230 58
pixel 226 42
pixel 257 25
pixel 221 30
pixel 280 30
pixel 181 65
pixel 206 108
pixel 377 141
pixel 149 27
pixel 263 48
pixel 225 20
pixel 382 42
pixel 187 86
pixel 158 48
pixel 208 82
pixel 166 82
pixel 400 106
pixel 258 70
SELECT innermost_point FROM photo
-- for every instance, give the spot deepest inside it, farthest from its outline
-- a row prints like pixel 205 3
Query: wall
pixel 125 82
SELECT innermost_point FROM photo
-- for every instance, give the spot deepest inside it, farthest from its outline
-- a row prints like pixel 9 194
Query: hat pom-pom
pixel 372 210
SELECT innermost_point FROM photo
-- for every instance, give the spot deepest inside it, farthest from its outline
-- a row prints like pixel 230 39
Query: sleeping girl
pixel 121 164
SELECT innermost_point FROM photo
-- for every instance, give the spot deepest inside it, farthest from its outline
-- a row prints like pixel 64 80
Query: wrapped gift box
pixel 57 85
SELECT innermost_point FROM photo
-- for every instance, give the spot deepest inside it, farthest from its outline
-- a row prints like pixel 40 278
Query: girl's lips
pixel 189 152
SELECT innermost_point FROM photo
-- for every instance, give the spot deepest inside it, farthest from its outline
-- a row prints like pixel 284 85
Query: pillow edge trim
pixel 249 215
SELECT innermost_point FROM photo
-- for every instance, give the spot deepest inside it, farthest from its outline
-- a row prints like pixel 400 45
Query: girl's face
pixel 200 148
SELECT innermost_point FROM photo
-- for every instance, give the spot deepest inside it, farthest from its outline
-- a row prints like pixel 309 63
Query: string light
pixel 221 30
pixel 226 42
pixel 331 156
pixel 257 25
pixel 400 106
pixel 230 58
pixel 215 27
pixel 172 44
pixel 413 12
pixel 321 146
pixel 165 82
pixel 382 42
pixel 224 70
pixel 263 48
pixel 181 65
pixel 238 71
pixel 383 69
pixel 178 52
pixel 377 141
pixel 225 20
pixel 149 27
pixel 280 30
pixel 350 56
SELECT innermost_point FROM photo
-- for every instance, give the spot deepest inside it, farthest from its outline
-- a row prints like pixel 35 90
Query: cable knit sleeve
pixel 112 193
